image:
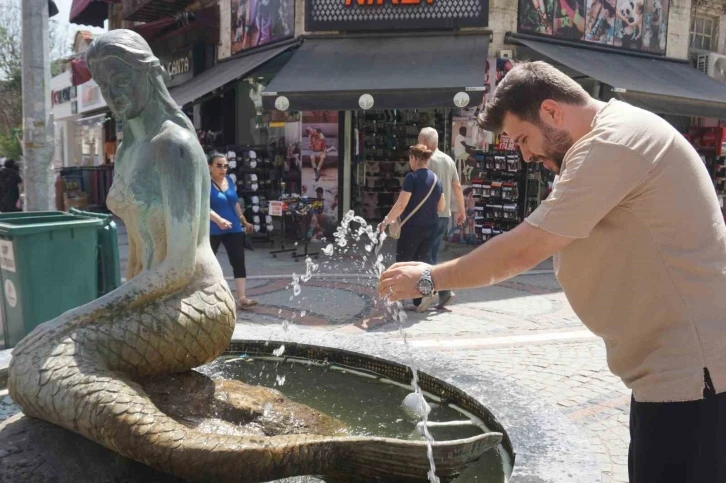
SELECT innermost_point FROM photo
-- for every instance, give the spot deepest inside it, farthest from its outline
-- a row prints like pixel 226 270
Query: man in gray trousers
pixel 445 168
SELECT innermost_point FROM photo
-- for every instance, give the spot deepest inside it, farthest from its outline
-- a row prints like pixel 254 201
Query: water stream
pixel 414 404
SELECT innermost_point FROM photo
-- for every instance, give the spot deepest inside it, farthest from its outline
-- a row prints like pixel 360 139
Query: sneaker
pixel 425 304
pixel 317 175
pixel 445 299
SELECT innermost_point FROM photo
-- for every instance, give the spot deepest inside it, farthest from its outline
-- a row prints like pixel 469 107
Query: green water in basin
pixel 367 406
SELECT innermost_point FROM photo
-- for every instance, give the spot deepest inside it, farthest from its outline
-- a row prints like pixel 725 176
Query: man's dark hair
pixel 523 90
pixel 319 190
pixel 10 164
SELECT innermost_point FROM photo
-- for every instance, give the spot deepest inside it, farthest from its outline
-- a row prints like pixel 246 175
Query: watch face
pixel 425 287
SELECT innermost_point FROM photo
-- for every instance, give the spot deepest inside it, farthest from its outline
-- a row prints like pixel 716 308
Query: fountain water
pixel 414 403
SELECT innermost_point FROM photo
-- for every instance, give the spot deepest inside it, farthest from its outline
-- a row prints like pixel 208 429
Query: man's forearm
pixel 497 260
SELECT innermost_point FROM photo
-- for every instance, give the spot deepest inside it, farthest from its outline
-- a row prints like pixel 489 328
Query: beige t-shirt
pixel 444 167
pixel 647 272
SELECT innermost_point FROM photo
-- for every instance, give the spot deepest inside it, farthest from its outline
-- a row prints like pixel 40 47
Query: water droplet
pixel 267 410
pixel 303 313
pixel 296 290
pixel 279 351
pixel 280 380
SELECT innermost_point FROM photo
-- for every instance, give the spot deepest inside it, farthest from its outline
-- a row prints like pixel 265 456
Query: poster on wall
pixel 260 22
pixel 630 24
pixel 313 140
pixel 600 23
pixel 568 20
pixel 655 25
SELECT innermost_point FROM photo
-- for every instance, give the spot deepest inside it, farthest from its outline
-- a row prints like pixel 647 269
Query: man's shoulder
pixel 443 160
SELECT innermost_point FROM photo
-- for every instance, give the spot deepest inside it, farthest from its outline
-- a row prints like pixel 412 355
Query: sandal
pixel 246 304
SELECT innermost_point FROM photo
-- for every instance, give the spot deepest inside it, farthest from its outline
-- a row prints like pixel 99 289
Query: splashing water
pixel 280 380
pixel 279 351
pixel 414 403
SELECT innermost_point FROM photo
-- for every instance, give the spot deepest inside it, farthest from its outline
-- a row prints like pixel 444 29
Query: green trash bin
pixel 109 266
pixel 47 266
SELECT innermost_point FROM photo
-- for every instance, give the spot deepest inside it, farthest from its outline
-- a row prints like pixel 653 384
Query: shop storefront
pixel 64 107
pixel 616 50
pixel 224 101
pixel 362 98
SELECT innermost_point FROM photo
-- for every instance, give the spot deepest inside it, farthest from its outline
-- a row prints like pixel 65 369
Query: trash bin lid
pixel 30 225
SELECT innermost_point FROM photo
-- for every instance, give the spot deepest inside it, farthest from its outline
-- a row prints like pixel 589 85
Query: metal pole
pixel 37 120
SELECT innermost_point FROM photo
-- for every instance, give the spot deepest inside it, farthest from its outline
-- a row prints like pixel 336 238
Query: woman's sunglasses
pixel 222 166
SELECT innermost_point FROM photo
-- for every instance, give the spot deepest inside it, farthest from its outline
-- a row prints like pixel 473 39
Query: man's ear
pixel 551 112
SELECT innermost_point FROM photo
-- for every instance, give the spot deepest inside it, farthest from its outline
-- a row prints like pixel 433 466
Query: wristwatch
pixel 425 284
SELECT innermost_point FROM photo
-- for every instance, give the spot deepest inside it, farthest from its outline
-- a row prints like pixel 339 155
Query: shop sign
pixel 90 97
pixel 351 15
pixel 62 96
pixel 629 24
pixel 180 69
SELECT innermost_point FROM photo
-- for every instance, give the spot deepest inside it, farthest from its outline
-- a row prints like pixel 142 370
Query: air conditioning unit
pixel 713 65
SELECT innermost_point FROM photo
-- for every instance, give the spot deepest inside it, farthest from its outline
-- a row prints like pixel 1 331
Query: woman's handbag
pixel 394 229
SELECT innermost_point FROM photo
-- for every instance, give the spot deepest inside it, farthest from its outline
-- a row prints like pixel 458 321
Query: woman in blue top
pixel 418 232
pixel 226 225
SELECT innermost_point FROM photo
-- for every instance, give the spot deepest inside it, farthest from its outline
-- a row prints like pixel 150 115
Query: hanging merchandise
pixel 494 202
pixel 385 139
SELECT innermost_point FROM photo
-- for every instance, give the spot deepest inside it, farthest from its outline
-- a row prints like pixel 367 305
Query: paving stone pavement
pixel 523 328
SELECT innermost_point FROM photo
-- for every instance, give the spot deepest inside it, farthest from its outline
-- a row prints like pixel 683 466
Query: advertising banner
pixel 630 24
pixel 260 22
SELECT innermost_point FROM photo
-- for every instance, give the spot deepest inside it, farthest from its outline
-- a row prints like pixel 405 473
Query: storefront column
pixel 347 149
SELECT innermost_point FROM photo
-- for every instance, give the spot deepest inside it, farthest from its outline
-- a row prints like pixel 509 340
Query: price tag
pixel 276 208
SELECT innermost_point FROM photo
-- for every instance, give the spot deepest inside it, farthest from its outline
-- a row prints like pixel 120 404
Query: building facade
pixel 320 99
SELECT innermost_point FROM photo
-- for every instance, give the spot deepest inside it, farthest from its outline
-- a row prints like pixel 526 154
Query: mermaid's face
pixel 125 89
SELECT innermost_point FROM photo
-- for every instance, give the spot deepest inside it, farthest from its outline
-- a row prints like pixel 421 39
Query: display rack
pixel 498 189
pixel 258 181
pixel 385 137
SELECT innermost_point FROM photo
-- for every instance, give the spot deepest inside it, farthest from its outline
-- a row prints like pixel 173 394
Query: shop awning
pixel 661 85
pixel 90 12
pixel 397 71
pixel 225 72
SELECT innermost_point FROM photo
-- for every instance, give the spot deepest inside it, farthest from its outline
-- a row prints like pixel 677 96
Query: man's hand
pixel 460 219
pixel 400 282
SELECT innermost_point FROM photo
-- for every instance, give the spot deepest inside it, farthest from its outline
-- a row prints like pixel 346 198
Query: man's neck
pixel 582 118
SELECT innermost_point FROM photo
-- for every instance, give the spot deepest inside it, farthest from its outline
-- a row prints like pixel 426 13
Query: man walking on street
pixel 640 248
pixel 445 168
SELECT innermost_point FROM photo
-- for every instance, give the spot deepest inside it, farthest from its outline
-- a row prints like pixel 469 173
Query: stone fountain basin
pixel 540 442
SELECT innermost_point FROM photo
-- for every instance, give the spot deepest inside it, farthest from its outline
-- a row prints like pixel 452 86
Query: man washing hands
pixel 640 251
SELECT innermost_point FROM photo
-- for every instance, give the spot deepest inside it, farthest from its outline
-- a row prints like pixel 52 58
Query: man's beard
pixel 556 144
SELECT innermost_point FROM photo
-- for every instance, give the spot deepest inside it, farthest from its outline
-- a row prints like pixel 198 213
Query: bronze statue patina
pixel 95 369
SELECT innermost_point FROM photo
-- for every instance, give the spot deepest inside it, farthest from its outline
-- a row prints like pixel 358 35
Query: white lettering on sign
pixel 10 293
pixel 178 66
pixel 7 257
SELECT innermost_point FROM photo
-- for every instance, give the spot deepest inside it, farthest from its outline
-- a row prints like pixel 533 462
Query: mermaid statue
pixel 88 370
